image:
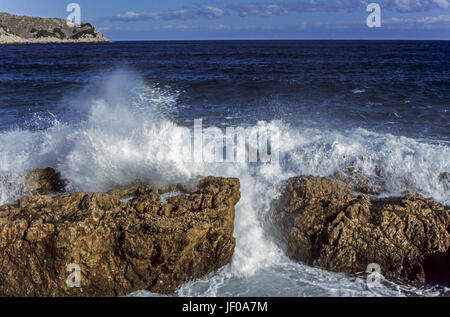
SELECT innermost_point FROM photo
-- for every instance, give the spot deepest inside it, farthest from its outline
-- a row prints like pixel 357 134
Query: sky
pixel 250 19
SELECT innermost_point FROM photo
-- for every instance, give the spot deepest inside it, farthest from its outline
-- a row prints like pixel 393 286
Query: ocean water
pixel 110 114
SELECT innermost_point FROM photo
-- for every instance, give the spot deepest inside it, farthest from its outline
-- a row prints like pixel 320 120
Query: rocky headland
pixel 25 30
pixel 122 241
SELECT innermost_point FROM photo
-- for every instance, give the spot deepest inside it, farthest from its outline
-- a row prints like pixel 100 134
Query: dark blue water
pixel 110 114
pixel 398 87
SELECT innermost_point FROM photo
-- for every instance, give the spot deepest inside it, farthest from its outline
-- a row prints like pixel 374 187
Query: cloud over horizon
pixel 408 6
pixel 288 19
pixel 272 8
pixel 283 8
pixel 186 13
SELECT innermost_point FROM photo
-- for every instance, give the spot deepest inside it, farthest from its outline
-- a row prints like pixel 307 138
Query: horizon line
pixel 250 39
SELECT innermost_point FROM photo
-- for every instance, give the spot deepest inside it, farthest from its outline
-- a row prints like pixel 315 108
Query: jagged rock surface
pixel 324 225
pixel 121 243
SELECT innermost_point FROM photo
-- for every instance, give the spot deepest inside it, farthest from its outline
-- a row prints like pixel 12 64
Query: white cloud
pixel 208 12
pixel 266 9
pixel 438 19
pixel 129 14
pixel 444 4
pixel 441 21
pixel 403 5
pixel 415 5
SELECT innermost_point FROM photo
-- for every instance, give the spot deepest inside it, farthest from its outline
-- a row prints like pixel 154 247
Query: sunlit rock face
pixel 121 241
pixel 323 224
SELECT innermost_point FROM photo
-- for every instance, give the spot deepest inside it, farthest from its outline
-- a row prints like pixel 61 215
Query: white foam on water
pixel 125 135
pixel 166 196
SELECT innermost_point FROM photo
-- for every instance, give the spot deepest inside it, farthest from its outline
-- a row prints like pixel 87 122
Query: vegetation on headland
pixel 80 34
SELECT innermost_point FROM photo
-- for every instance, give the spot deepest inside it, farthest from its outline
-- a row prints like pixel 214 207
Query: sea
pixel 108 114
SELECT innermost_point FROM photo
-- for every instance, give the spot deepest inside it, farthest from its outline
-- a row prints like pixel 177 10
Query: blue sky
pixel 250 19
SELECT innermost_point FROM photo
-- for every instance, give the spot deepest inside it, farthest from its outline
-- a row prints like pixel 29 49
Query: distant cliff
pixel 21 29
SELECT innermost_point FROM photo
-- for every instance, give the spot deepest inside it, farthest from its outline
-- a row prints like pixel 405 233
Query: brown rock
pixel 44 181
pixel 119 246
pixel 325 226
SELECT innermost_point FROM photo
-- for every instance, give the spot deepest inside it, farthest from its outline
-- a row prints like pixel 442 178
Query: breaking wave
pixel 124 132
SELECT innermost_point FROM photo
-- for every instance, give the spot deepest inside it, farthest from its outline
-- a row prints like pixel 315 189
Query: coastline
pixel 12 39
pixel 50 41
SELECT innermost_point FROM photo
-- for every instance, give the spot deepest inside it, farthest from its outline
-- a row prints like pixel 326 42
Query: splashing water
pixel 125 134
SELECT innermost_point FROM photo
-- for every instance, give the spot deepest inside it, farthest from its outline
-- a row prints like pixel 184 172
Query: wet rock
pixel 437 268
pixel 444 179
pixel 324 225
pixel 360 183
pixel 119 247
pixel 44 181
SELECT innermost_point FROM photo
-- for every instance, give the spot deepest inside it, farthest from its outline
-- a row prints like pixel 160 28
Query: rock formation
pixel 324 225
pixel 21 29
pixel 43 181
pixel 122 241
